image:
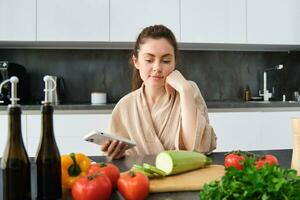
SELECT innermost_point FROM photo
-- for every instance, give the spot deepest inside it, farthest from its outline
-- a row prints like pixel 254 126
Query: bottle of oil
pixel 247 94
pixel 48 161
pixel 15 164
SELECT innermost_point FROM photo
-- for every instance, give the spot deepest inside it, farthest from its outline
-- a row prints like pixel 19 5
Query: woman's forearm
pixel 189 116
pixel 188 107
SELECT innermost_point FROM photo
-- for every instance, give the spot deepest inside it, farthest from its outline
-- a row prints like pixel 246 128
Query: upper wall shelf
pixel 130 45
pixel 114 24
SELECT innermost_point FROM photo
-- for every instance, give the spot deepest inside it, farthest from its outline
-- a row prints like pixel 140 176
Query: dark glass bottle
pixel 48 161
pixel 15 163
pixel 247 94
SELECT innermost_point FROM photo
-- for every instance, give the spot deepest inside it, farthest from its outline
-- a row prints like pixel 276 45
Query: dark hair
pixel 155 32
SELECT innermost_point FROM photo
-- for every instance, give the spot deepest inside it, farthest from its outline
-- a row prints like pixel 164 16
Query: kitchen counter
pixel 67 109
pixel 252 106
pixel 284 157
pixel 213 106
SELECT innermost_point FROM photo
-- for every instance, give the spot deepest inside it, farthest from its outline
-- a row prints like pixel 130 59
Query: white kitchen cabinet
pixel 73 20
pixel 237 130
pixel 17 20
pixel 4 132
pixel 129 17
pixel 253 130
pixel 69 131
pixel 213 21
pixel 273 22
pixel 277 129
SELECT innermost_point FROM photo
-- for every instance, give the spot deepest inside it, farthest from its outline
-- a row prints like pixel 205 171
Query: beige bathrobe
pixel 159 129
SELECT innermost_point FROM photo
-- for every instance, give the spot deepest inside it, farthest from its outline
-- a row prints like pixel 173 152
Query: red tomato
pixel 234 160
pixel 270 159
pixel 133 185
pixel 110 170
pixel 95 186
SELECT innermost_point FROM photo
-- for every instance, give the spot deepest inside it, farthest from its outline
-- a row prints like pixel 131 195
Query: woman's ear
pixel 135 61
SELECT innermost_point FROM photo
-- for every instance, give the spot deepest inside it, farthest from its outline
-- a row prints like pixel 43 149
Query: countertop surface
pixel 284 157
pixel 213 106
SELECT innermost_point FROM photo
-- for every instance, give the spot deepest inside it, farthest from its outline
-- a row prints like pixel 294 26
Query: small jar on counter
pixel 247 94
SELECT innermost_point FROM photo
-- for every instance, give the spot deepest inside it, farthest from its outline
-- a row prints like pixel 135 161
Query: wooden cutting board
pixel 189 181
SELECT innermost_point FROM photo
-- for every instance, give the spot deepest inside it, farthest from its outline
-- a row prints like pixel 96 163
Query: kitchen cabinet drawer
pixel 273 22
pixel 69 131
pixel 67 145
pixel 73 20
pixel 239 130
pixel 17 20
pixel 213 21
pixel 277 129
pixel 129 17
pixel 253 130
pixel 4 132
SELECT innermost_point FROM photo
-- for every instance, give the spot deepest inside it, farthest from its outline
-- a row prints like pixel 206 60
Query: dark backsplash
pixel 220 75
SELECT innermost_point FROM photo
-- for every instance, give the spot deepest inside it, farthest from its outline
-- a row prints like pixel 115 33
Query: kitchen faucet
pixel 266 94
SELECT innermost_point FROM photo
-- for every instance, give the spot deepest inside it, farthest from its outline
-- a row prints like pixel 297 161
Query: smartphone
pixel 99 137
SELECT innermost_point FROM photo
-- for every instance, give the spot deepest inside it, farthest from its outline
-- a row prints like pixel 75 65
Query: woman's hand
pixel 175 80
pixel 114 149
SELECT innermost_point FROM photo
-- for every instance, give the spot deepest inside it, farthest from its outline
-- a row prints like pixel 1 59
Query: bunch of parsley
pixel 267 183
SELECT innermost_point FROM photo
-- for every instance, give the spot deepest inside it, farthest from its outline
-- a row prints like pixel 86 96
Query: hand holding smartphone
pixel 100 138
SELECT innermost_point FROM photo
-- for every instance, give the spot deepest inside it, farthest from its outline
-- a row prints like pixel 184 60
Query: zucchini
pixel 175 162
pixel 153 170
pixel 138 168
pixel 148 173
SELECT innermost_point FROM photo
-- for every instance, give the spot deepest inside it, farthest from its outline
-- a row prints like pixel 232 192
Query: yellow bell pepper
pixel 73 166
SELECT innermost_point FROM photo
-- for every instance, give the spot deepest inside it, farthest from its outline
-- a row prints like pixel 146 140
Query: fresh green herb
pixel 266 183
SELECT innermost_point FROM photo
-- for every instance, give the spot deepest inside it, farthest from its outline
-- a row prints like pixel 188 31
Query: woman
pixel 164 111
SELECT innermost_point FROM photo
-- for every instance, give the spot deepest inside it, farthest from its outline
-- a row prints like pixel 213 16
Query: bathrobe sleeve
pixel 205 140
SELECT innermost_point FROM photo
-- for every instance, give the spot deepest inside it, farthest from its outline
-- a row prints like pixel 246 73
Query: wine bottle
pixel 48 161
pixel 15 164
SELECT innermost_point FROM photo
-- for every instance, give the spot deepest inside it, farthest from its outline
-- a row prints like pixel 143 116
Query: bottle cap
pixel 47 88
pixel 14 81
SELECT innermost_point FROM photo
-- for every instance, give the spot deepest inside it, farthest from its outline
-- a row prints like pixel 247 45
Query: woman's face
pixel 156 60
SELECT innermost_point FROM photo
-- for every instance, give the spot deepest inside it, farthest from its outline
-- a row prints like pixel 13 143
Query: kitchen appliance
pixel 98 98
pixel 7 70
pixel 56 96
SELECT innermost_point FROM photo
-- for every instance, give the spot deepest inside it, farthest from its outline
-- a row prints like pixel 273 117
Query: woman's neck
pixel 152 94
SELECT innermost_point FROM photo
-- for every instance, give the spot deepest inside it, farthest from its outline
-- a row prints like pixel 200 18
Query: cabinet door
pixel 4 132
pixel 237 130
pixel 17 20
pixel 129 17
pixel 277 129
pixel 69 131
pixel 213 21
pixel 253 130
pixel 73 20
pixel 273 21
